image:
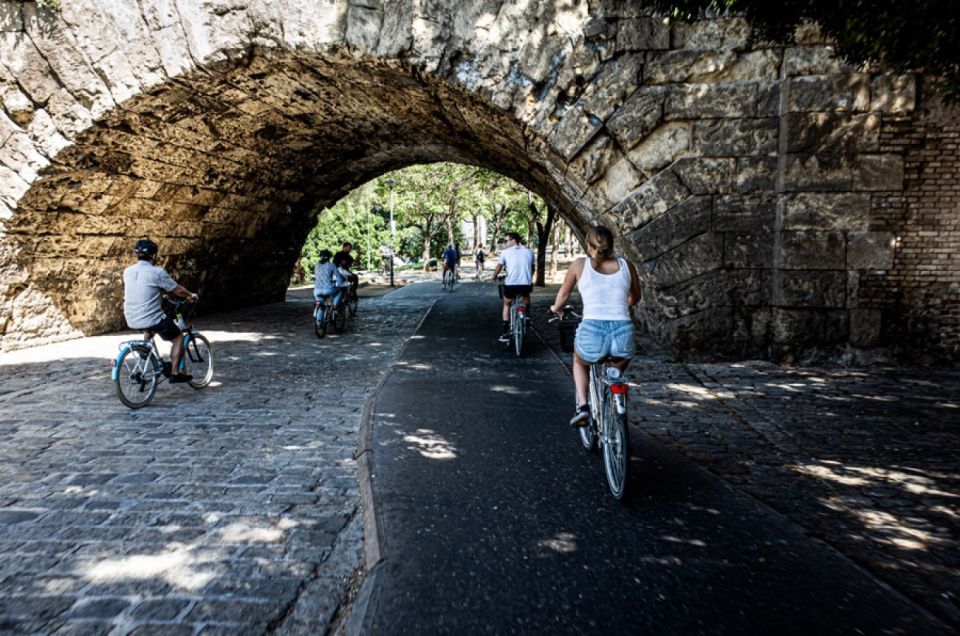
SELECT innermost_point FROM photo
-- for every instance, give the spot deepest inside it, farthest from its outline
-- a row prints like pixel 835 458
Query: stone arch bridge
pixel 776 199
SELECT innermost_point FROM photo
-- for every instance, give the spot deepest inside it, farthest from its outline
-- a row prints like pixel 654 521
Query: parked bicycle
pixel 608 426
pixel 326 313
pixel 139 367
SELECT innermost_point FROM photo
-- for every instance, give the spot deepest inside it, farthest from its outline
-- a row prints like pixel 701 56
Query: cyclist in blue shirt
pixel 451 258
pixel 328 281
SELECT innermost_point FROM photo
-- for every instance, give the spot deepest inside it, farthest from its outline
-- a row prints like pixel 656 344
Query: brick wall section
pixel 919 298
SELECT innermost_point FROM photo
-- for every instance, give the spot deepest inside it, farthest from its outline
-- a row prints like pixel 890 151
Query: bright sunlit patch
pixel 694 542
pixel 245 533
pixel 509 390
pixel 694 391
pixel 431 445
pixel 562 542
pixel 828 474
pixel 176 567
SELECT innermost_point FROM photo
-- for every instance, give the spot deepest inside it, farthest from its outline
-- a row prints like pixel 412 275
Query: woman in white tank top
pixel 608 286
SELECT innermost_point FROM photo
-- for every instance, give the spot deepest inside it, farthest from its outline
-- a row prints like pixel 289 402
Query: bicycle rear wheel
pixel 198 360
pixel 588 433
pixel 138 374
pixel 519 329
pixel 352 301
pixel 616 445
pixel 321 319
pixel 340 318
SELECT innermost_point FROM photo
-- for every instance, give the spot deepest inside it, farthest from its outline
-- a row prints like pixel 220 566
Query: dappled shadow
pixel 864 459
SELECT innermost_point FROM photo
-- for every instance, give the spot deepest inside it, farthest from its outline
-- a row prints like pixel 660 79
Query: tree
pixel 922 35
pixel 544 227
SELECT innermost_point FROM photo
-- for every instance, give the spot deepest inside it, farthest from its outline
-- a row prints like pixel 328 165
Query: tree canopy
pixel 922 35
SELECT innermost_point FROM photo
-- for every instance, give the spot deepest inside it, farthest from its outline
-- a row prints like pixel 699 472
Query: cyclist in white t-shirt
pixel 520 267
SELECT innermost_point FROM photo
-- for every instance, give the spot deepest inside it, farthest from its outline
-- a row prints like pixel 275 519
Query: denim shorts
pixel 598 339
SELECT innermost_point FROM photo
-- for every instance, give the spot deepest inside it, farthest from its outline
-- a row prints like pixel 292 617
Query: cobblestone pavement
pixel 234 509
pixel 863 459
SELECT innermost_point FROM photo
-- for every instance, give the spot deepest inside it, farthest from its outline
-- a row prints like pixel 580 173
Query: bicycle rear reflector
pixel 618 389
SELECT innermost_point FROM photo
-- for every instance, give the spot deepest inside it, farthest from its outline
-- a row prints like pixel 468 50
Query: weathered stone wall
pixel 748 180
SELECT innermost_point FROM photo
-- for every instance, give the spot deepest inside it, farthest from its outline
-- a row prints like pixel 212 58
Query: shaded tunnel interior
pixel 228 168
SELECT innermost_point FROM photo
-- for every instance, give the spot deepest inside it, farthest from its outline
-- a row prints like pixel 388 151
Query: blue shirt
pixel 326 279
pixel 450 256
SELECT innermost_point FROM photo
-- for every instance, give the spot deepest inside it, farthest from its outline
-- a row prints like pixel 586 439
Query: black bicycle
pixel 326 313
pixel 608 426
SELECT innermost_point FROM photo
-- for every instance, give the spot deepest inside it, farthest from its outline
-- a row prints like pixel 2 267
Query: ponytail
pixel 600 244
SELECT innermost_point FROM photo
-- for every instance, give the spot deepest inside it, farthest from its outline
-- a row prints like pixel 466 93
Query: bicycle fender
pixel 115 373
pixel 620 401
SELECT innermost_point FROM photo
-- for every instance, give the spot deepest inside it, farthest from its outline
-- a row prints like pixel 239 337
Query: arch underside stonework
pixel 773 199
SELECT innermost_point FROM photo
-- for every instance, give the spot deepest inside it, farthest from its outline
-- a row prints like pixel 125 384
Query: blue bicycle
pixel 139 367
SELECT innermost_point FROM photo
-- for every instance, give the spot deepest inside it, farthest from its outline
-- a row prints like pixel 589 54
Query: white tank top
pixel 604 295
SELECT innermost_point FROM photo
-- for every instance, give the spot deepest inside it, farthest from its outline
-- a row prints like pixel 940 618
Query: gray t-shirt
pixel 142 286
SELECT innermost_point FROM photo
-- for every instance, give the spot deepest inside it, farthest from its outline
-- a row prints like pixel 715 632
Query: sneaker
pixel 581 417
pixel 180 378
pixel 504 337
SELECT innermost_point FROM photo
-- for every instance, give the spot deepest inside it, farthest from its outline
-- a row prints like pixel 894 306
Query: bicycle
pixel 449 279
pixel 351 300
pixel 326 313
pixel 518 322
pixel 608 427
pixel 139 367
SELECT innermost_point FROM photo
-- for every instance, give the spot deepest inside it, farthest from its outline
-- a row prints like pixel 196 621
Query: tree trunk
pixel 543 236
pixel 426 251
pixel 476 232
pixel 555 249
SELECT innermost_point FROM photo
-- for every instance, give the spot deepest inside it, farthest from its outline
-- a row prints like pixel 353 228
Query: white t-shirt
pixel 519 263
pixel 142 286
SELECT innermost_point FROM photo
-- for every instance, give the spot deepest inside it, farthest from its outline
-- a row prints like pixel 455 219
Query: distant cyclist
pixel 143 285
pixel 451 258
pixel 481 257
pixel 520 267
pixel 344 261
pixel 608 286
pixel 327 279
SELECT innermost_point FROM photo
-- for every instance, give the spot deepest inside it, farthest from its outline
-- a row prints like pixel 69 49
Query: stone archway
pixel 764 189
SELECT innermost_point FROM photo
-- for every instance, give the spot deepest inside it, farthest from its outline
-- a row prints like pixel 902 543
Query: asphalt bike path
pixel 493 519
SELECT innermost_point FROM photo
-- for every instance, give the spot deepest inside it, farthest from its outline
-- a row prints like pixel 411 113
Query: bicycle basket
pixel 568 331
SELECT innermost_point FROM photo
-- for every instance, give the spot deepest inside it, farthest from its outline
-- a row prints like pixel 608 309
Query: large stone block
pixel 642 34
pixel 615 82
pixel 673 228
pixel 800 328
pixel 818 173
pixel 697 256
pixel 663 146
pixel 832 132
pixel 814 288
pixel 756 174
pixel 865 327
pixel 878 173
pixel 639 115
pixel 829 93
pixel 728 33
pixel 703 176
pixel 735 137
pixel 811 60
pixel 893 94
pixel 694 101
pixel 652 199
pixel 748 250
pixel 813 250
pixel 595 159
pixel 688 66
pixel 575 130
pixel 870 250
pixel 745 213
pixel 826 211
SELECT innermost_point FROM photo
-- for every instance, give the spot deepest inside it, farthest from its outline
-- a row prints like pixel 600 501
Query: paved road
pixel 494 520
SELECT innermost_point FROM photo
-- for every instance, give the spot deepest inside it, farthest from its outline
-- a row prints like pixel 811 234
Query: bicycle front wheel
pixel 198 361
pixel 616 446
pixel 138 374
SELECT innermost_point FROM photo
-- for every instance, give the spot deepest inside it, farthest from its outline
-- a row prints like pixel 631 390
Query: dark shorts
pixel 166 329
pixel 512 291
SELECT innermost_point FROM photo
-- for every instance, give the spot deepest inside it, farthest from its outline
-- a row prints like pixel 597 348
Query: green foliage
pixel 357 218
pixel 923 35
